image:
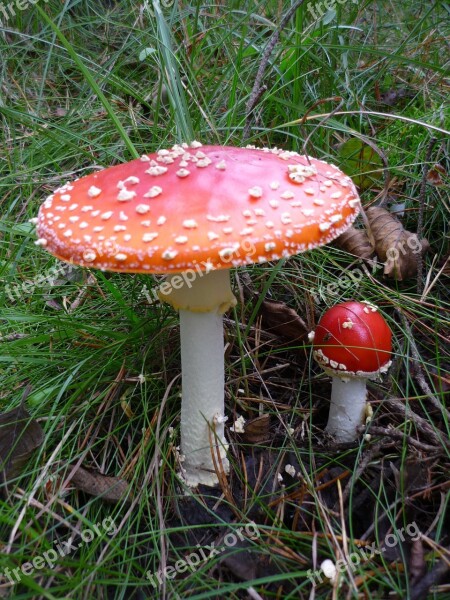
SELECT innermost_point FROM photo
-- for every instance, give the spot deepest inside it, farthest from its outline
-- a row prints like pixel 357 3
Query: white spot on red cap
pixel 190 224
pixel 218 219
pixel 149 237
pixel 125 195
pixel 94 191
pixel 324 226
pixel 157 170
pixel 153 192
pixel 89 255
pixel 181 239
pixel 255 191
pixel 132 180
pixel 169 254
pixel 142 209
pixel 203 162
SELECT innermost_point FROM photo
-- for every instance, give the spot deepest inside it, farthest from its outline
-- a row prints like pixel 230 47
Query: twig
pixel 420 423
pixel 423 189
pixel 398 435
pixel 258 90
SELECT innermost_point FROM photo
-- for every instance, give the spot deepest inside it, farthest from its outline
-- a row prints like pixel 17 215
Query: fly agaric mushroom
pixel 192 212
pixel 352 343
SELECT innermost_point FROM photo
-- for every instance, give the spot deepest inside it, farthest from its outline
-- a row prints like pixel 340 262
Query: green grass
pixel 88 84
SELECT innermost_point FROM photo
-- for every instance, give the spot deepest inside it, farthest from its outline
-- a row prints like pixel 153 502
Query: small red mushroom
pixel 352 343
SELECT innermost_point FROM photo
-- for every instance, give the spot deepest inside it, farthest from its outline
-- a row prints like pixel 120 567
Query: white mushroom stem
pixel 201 301
pixel 347 409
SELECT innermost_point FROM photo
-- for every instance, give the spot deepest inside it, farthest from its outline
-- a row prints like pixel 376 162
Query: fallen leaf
pixel 417 564
pixel 434 175
pixel 20 435
pixel 257 430
pixel 397 248
pixel 279 319
pixel 356 242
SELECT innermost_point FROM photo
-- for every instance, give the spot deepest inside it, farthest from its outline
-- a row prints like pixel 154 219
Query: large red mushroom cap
pixel 352 339
pixel 209 207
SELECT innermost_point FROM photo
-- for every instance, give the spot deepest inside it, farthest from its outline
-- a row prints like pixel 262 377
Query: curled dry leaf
pixel 20 435
pixel 279 319
pixel 417 563
pixel 257 430
pixel 434 175
pixel 397 248
pixel 356 242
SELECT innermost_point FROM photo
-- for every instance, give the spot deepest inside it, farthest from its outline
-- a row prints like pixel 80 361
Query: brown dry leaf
pixel 396 247
pixel 356 242
pixel 434 175
pixel 417 564
pixel 256 431
pixel 279 319
pixel 20 435
pixel 111 489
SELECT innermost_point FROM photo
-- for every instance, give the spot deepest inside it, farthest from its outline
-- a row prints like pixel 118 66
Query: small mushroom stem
pixel 347 409
pixel 201 300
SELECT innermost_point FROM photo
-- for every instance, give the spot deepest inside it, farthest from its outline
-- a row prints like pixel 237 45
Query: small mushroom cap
pixel 352 339
pixel 209 207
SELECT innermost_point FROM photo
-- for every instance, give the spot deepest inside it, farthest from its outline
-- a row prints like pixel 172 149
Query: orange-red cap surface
pixel 207 206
